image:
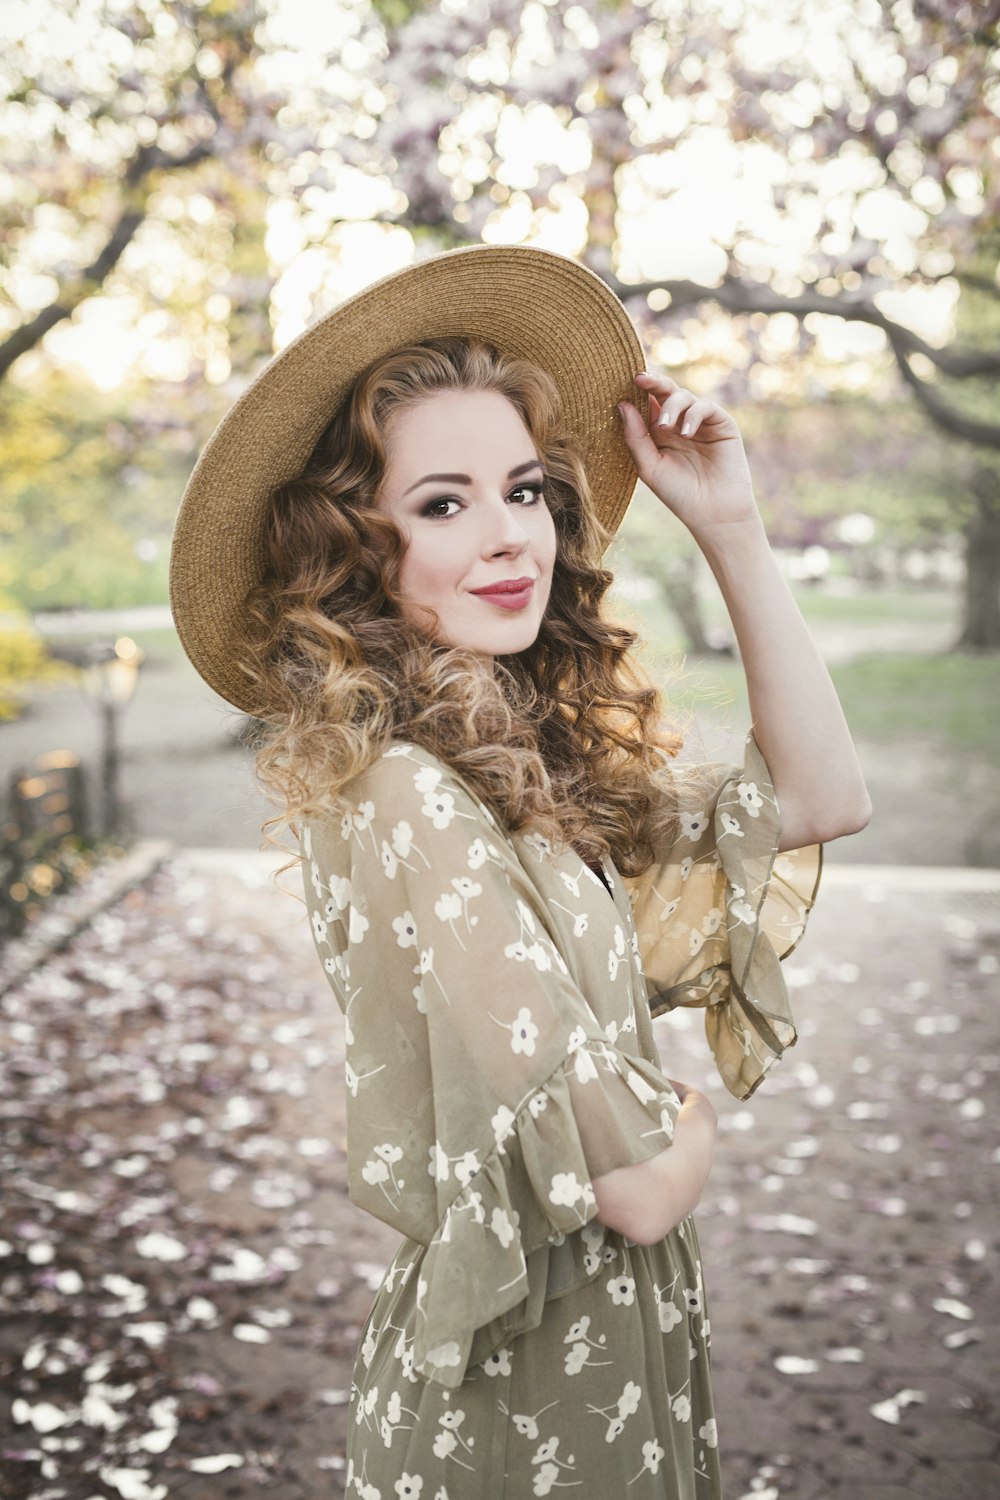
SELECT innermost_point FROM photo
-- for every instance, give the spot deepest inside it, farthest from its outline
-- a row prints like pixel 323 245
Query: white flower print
pixel 329 910
pixel 316 878
pixel 709 1433
pixel 686 866
pixel 503 1125
pixel 497 1364
pixel 363 815
pixel 681 1408
pixel 340 890
pixel 467 888
pixel 537 1103
pixel 358 925
pixel 545 1479
pixel 750 798
pixel 696 941
pixel 405 928
pixel 539 958
pixel 466 1168
pixel 571 882
pixel 346 826
pixel 622 1290
pixel 670 1316
pixel 409 1486
pixel 502 1227
pixel 448 906
pixel 613 964
pixel 619 942
pixel 628 1401
pixel 692 1296
pixel 523 1032
pixel 642 1090
pixel 712 920
pixel 307 841
pixel 584 1066
pixel 390 864
pixel 444 1356
pixel 732 825
pixel 394 750
pixel 426 779
pixel 476 856
pixel 526 915
pixel 439 1168
pixel 319 927
pixel 580 924
pixel 566 1189
pixel 693 825
pixel 402 838
pixel 652 1457
pixel 440 808
pixel 743 912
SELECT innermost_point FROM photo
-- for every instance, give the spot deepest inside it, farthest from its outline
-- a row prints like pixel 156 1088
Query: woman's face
pixel 463 482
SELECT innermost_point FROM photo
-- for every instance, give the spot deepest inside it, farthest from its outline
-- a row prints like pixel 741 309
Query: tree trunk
pixel 981 622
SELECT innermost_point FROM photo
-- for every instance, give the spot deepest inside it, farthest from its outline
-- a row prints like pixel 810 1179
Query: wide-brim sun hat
pixel 527 302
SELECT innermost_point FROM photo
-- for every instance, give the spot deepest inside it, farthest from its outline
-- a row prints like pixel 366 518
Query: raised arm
pixel 691 456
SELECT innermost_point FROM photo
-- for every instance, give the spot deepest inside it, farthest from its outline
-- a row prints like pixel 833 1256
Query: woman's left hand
pixel 700 474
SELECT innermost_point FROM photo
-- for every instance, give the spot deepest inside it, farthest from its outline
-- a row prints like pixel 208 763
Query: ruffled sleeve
pixel 720 908
pixel 483 1095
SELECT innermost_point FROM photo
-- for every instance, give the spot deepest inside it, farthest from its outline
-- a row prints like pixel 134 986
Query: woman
pixel 390 552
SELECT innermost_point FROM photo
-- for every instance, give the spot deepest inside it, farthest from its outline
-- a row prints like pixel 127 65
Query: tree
pixel 106 118
pixel 895 110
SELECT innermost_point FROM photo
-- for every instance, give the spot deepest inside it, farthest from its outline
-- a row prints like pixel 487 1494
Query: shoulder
pixel 409 782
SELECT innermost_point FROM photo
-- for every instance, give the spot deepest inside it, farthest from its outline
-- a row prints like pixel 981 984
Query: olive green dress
pixel 500 1055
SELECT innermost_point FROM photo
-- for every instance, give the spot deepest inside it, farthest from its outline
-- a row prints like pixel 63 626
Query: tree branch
pixel 83 284
pixel 743 297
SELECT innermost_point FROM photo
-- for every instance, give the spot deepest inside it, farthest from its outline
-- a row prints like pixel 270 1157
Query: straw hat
pixel 527 302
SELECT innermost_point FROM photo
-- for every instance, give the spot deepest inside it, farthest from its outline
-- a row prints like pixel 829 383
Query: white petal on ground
pixel 215 1463
pixel 159 1246
pixel 954 1308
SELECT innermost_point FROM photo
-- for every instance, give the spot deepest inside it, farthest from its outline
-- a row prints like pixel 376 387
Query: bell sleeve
pixel 462 1006
pixel 720 908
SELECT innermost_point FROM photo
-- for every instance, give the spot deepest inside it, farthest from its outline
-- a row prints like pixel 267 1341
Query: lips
pixel 506 586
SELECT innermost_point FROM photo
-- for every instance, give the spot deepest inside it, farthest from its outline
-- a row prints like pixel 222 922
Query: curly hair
pixel 566 736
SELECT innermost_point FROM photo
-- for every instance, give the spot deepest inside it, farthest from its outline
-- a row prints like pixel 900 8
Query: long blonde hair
pixel 566 736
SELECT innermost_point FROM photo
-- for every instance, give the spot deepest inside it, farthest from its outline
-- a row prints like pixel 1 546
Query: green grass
pixel 952 698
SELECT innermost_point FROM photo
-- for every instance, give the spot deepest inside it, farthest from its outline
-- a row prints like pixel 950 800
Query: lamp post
pixel 109 680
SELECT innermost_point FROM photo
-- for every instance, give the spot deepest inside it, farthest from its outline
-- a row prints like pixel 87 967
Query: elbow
pixel 799 832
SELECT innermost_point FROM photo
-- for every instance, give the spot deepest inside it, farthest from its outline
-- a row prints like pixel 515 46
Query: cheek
pixel 426 571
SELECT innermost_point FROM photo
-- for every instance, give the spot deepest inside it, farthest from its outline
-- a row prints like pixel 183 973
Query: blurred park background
pixel 800 206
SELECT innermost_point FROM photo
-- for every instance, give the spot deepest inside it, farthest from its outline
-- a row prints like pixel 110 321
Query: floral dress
pixel 497 999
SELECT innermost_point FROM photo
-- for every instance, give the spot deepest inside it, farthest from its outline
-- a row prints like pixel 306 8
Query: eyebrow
pixel 533 463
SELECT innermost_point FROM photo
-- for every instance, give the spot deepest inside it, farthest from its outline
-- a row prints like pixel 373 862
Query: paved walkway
pixel 183 1280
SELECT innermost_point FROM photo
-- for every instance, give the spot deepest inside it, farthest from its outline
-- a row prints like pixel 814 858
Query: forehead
pixel 465 423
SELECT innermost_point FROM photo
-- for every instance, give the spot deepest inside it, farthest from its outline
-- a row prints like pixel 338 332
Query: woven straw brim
pixel 528 302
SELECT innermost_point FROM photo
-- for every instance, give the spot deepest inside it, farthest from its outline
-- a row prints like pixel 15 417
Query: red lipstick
pixel 509 593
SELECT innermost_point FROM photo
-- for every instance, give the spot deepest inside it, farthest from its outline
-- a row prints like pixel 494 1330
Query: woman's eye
pixel 430 509
pixel 534 490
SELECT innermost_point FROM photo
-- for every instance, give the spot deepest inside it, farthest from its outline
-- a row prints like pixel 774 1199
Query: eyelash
pixel 536 489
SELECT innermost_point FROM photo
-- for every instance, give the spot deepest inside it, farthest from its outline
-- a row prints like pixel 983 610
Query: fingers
pixel 671 405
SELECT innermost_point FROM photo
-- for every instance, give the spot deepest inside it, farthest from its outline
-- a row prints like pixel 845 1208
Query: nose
pixel 504 531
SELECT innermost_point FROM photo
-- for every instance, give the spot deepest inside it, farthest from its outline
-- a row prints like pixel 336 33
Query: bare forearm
pixel 645 1201
pixel 797 718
